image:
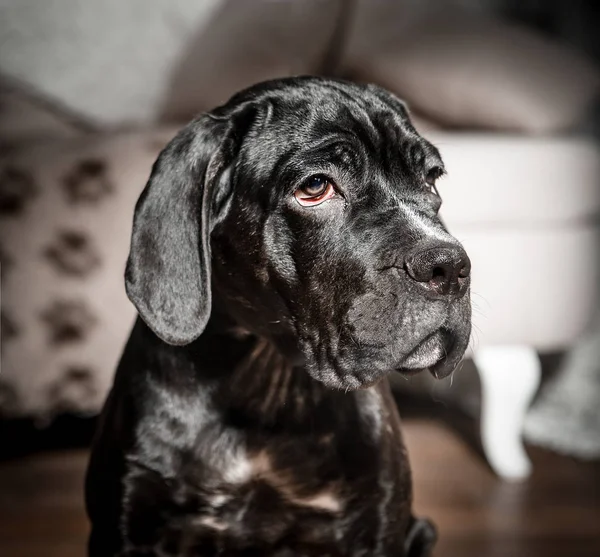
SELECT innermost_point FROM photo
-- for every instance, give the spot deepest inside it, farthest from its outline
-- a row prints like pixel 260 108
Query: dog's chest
pixel 258 506
pixel 237 494
pixel 246 501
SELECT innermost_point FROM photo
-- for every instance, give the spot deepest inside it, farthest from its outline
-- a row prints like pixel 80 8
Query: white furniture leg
pixel 510 376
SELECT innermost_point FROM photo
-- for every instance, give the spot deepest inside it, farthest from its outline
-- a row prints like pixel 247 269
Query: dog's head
pixel 308 208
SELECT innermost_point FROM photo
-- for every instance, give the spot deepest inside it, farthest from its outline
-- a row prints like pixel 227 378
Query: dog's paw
pixel 420 538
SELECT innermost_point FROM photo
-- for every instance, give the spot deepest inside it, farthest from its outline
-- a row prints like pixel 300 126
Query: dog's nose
pixel 441 268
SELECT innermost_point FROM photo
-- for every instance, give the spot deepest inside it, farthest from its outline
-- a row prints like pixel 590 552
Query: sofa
pixel 503 105
pixel 534 243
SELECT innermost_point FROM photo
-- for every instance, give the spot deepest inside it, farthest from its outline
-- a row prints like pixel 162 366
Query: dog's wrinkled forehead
pixel 341 124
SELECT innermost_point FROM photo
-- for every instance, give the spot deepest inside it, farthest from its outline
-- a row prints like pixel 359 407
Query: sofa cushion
pixel 474 72
pixel 66 209
pixel 504 180
pixel 532 286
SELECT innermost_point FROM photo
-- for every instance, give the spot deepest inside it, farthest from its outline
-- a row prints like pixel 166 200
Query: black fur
pixel 250 413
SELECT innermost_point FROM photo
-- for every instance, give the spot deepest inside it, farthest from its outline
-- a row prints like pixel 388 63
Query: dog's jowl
pixel 286 256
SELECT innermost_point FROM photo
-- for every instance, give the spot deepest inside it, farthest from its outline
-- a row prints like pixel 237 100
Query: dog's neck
pixel 248 377
pixel 264 387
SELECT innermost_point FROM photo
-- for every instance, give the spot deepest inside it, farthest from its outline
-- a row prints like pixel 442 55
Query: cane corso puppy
pixel 286 256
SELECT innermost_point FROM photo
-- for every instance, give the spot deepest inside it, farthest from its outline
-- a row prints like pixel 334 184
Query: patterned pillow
pixel 66 209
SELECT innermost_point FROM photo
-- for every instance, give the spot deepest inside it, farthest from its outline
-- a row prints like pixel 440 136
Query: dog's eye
pixel 314 191
pixel 432 177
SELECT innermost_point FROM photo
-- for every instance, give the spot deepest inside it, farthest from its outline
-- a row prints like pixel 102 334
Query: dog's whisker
pixel 482 298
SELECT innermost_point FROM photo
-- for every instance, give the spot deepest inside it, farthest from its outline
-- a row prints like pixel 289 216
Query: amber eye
pixel 431 179
pixel 314 191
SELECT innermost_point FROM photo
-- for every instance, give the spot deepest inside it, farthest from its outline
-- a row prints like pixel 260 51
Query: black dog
pixel 286 255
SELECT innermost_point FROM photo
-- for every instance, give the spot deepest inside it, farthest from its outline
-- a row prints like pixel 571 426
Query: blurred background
pixel 507 90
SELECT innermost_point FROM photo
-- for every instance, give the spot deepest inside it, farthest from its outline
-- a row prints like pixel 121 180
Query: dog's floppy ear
pixel 168 271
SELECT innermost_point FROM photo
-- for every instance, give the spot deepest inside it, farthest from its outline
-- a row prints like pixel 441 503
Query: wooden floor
pixel 555 514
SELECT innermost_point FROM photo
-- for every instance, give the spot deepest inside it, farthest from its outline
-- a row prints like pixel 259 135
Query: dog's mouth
pixel 435 353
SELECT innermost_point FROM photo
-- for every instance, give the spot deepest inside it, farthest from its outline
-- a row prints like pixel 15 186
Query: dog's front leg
pixel 420 538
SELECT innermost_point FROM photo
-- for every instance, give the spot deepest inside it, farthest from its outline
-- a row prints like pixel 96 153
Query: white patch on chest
pixel 219 500
pixel 212 523
pixel 325 501
pixel 241 469
pixel 238 468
